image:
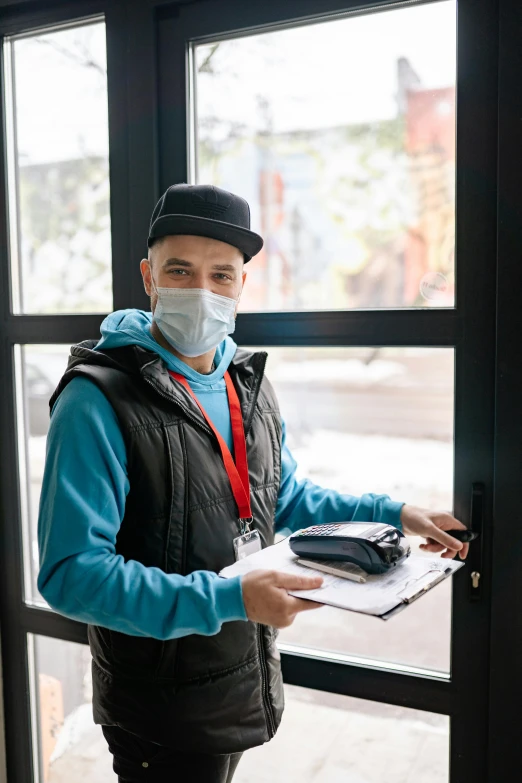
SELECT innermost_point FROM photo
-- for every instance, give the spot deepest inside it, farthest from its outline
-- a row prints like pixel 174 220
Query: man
pixel 166 451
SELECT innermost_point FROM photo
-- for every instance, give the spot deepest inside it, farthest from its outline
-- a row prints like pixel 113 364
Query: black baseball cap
pixel 205 211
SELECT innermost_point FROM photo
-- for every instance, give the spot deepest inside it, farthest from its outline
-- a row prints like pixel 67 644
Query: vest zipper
pixel 255 395
pixel 176 402
pixel 267 705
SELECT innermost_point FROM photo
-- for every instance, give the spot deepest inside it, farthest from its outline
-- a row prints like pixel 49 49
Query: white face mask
pixel 194 320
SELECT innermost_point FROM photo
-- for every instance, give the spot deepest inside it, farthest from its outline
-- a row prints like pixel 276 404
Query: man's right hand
pixel 267 601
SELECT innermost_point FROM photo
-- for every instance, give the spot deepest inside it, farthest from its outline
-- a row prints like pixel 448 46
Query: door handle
pixel 476 548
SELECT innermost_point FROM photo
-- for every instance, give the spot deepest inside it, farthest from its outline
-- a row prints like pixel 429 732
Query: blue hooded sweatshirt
pixel 82 504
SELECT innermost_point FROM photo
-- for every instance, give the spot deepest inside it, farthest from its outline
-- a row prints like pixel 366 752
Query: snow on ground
pixel 416 471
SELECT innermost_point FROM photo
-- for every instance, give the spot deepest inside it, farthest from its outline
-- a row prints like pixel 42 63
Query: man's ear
pixel 243 278
pixel 146 275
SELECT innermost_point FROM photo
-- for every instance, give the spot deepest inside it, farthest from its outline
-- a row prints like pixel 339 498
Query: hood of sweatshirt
pixel 132 327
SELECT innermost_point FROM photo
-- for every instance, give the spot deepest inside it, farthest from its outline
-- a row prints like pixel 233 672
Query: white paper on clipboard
pixel 378 596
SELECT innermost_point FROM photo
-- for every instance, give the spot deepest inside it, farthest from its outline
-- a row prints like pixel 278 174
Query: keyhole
pixel 475 579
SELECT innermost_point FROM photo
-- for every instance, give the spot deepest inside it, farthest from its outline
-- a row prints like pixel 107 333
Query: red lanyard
pixel 237 471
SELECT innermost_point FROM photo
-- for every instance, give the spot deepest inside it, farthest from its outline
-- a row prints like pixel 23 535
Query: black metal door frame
pixel 506 627
pixel 147 40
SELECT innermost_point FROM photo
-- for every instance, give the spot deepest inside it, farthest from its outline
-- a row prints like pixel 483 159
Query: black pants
pixel 137 760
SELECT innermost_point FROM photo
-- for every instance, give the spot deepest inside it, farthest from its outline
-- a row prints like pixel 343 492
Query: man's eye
pixel 177 271
pixel 223 276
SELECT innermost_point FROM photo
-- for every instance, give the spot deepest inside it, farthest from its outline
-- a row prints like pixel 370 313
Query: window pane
pixel 373 420
pixel 358 420
pixel 341 135
pixel 59 171
pixel 72 747
pixel 353 740
pixel 325 738
pixel 38 370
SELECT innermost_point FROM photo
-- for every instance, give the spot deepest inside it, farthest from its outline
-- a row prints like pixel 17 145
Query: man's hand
pixel 431 525
pixel 267 602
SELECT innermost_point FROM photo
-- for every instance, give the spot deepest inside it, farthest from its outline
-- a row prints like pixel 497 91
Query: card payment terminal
pixel 374 547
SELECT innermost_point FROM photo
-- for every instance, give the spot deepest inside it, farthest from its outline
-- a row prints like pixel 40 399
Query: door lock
pixel 476 549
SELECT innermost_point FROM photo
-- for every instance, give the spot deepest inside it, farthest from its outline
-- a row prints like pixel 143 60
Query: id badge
pixel 247 544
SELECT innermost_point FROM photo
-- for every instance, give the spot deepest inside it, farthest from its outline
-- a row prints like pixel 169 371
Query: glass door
pixel 376 306
pixel 364 137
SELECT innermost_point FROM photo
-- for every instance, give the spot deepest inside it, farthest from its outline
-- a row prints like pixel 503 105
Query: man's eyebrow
pixel 176 262
pixel 225 267
pixel 181 262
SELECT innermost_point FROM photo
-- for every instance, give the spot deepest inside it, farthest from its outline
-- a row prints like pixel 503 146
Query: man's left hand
pixel 431 526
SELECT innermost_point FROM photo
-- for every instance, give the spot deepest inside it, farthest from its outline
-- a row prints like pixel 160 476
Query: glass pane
pixel 59 171
pixel 71 746
pixel 39 369
pixel 341 135
pixel 325 738
pixel 353 740
pixel 373 420
pixel 358 420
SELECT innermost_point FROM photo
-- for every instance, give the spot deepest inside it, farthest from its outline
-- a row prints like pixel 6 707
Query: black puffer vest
pixel 211 694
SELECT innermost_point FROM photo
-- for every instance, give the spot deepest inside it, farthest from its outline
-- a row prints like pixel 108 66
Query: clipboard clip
pixel 413 590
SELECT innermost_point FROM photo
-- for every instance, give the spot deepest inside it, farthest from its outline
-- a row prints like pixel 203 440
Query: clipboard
pixel 417 593
pixel 382 595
